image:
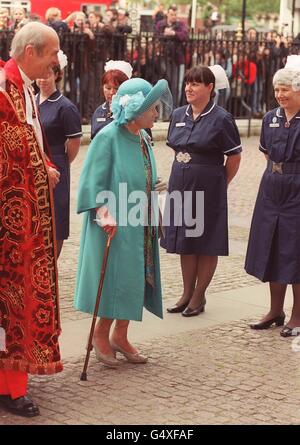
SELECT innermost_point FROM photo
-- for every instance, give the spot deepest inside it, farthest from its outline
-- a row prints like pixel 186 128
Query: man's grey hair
pixel 33 33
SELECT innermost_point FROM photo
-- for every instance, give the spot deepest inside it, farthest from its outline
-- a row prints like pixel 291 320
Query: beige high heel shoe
pixel 107 360
pixel 131 358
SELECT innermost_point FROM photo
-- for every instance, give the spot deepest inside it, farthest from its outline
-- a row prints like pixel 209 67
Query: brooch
pixel 183 157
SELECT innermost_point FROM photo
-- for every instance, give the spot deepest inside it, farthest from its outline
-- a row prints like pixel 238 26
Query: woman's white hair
pixel 33 33
pixel 288 77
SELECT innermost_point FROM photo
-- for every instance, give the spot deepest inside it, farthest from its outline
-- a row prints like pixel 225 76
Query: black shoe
pixel 289 332
pixel 279 321
pixel 177 308
pixel 188 312
pixel 22 406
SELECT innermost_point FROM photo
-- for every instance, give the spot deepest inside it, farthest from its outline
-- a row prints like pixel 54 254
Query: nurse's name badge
pixel 274 124
pixel 180 124
pixel 101 119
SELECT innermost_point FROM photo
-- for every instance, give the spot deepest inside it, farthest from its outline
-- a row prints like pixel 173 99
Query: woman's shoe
pixel 131 358
pixel 177 308
pixel 279 321
pixel 107 360
pixel 188 312
pixel 289 332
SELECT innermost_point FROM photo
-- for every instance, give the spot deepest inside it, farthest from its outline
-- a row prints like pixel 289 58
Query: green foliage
pixel 253 7
pixel 231 8
pixel 234 7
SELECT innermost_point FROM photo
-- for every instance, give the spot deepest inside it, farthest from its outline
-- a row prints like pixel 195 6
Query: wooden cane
pixel 89 346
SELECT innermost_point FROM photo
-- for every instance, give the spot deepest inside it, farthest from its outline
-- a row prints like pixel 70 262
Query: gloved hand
pixel 105 220
pixel 160 185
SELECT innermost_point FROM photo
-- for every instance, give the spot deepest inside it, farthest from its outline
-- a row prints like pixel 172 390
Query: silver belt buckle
pixel 183 157
pixel 277 167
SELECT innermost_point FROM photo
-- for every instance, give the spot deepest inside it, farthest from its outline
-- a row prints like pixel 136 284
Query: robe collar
pixel 13 74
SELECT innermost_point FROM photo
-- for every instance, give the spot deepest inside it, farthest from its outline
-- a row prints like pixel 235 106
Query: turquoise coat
pixel 115 157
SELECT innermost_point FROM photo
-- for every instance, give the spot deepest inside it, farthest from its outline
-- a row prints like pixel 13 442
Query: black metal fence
pixel 250 65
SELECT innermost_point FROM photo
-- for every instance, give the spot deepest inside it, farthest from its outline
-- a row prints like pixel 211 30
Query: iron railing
pixel 250 65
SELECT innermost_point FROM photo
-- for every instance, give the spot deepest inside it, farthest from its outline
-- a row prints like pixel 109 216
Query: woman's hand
pixel 231 166
pixel 87 31
pixel 160 185
pixel 54 177
pixel 105 220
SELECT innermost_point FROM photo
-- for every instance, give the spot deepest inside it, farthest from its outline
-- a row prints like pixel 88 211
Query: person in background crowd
pixel 29 307
pixel 173 33
pixel 244 71
pixel 82 66
pixel 274 240
pixel 61 122
pixel 251 35
pixel 215 16
pixel 122 29
pixel 4 19
pixel 95 21
pixel 54 19
pixel 158 13
pixel 111 17
pixel 116 72
pixel 122 22
pixel 18 16
pixel 259 84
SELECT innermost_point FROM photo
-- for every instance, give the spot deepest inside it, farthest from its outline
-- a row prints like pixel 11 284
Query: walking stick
pixel 89 346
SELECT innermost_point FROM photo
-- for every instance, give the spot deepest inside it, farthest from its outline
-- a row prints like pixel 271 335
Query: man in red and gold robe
pixel 29 310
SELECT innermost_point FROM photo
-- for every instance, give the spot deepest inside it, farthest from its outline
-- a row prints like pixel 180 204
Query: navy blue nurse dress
pixel 273 252
pixel 101 117
pixel 60 121
pixel 203 142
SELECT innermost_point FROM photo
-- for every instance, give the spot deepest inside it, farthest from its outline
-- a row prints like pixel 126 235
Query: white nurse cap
pixel 120 65
pixel 220 76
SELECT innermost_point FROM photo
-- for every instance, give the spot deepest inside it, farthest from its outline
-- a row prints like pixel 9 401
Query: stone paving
pixel 225 374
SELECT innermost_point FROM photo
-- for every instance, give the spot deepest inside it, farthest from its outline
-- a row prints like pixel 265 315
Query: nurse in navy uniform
pixel 62 126
pixel 273 253
pixel 115 73
pixel 203 136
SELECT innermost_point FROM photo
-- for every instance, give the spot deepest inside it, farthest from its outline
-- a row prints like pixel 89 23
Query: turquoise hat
pixel 135 96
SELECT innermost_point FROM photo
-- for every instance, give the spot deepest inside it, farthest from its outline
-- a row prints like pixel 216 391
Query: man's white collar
pixel 25 78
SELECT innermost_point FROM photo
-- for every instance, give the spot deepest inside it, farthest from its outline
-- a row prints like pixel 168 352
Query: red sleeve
pixel 251 74
pixel 234 70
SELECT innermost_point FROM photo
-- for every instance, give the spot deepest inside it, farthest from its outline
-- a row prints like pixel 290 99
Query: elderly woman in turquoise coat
pixel 115 190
